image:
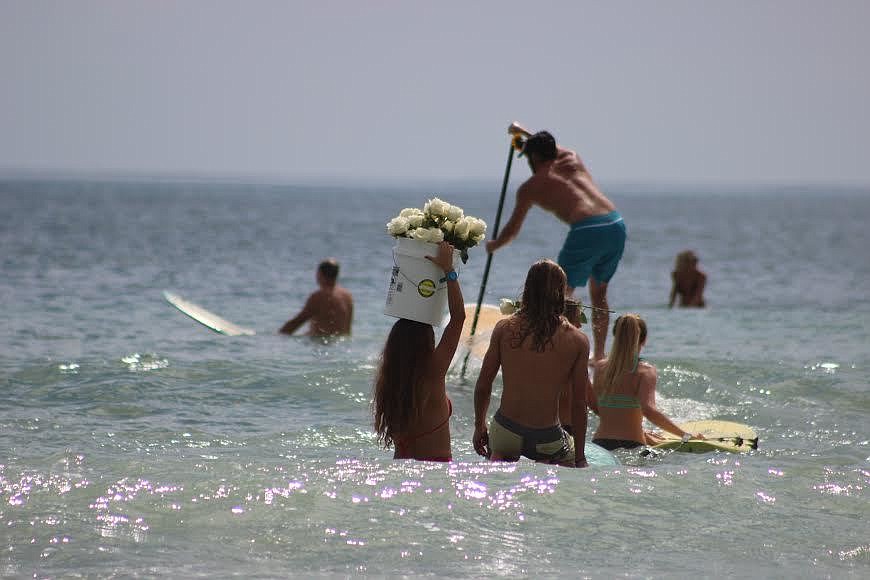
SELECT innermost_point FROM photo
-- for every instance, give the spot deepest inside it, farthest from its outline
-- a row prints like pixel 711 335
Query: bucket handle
pixel 405 276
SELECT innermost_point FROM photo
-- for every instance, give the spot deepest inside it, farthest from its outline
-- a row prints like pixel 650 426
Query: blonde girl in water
pixel 624 392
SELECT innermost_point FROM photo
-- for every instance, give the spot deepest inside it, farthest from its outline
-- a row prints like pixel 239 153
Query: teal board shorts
pixel 593 248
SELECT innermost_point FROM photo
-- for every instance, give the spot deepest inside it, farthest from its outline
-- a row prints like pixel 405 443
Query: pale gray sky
pixel 660 91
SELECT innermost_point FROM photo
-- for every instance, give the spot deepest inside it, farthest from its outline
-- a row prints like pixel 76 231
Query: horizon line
pixel 133 176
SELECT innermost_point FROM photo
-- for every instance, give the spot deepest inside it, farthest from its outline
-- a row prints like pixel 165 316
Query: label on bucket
pixel 395 285
pixel 426 288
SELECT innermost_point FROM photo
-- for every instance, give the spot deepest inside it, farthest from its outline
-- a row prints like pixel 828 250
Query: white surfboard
pixel 206 318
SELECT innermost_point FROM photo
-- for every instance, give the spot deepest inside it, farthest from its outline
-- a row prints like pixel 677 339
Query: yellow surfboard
pixel 720 436
pixel 476 345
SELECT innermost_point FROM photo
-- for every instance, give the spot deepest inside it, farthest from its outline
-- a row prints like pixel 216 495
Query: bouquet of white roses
pixel 439 221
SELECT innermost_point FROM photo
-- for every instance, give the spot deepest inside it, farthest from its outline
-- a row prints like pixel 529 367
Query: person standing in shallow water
pixel 688 281
pixel 540 353
pixel 410 405
pixel 329 309
pixel 561 184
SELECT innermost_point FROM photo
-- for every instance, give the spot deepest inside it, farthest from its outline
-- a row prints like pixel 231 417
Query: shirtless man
pixel 329 309
pixel 540 353
pixel 561 184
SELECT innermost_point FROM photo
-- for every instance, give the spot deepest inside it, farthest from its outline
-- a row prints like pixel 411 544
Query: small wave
pixel 144 362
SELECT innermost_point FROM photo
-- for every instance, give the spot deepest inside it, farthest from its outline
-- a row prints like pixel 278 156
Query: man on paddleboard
pixel 329 309
pixel 561 184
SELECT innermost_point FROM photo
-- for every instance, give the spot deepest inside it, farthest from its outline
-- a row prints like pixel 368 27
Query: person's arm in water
pixel 578 403
pixel 698 296
pixel 591 400
pixel 304 316
pixel 483 391
pixel 647 396
pixel 350 312
pixel 673 296
pixel 446 348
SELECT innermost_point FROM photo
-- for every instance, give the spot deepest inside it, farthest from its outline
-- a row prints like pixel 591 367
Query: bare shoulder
pixel 532 188
pixel 502 324
pixel 647 371
pixel 319 295
pixel 570 160
pixel 577 337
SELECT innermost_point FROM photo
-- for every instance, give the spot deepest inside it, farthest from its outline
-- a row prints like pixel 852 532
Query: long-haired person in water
pixel 688 281
pixel 624 389
pixel 410 404
pixel 540 354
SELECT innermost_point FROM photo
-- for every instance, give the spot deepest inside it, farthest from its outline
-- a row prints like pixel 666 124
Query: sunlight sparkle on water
pixel 285 492
pixel 472 489
pixel 142 363
pixel 853 554
pixel 725 478
pixel 828 367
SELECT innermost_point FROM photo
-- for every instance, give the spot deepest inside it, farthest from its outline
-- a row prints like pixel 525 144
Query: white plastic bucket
pixel 417 288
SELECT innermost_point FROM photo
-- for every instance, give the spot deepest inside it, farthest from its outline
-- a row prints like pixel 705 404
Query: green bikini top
pixel 618 401
pixel 614 401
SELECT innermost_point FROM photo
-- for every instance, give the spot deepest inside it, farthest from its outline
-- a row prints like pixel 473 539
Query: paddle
pixel 507 173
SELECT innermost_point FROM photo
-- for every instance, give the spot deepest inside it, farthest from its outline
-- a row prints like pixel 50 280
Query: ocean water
pixel 136 443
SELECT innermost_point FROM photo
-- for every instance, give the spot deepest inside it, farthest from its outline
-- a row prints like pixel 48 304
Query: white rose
pixel 434 235
pixel 448 226
pixel 454 212
pixel 507 306
pixel 436 207
pixel 415 221
pixel 477 239
pixel 410 211
pixel 460 230
pixel 478 227
pixel 397 226
pixel 421 234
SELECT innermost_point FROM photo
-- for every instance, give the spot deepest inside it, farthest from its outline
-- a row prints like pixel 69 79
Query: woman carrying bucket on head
pixel 410 404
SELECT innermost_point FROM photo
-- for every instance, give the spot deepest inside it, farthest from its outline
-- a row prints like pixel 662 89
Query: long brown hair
pixel 629 332
pixel 398 387
pixel 543 304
